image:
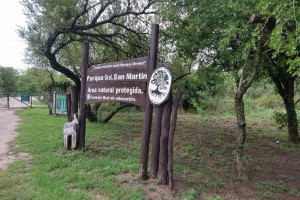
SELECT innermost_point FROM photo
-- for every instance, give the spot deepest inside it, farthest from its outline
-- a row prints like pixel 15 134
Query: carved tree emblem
pixel 160 80
pixel 160 85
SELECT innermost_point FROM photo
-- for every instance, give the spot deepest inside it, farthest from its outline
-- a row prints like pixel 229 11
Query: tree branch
pixel 58 67
pixel 276 79
pixel 257 61
pixel 62 45
pixel 84 10
pixel 115 16
pixel 270 22
pixel 181 76
pixel 116 111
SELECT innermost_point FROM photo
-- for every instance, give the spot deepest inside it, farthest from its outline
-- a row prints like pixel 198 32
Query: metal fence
pixel 17 100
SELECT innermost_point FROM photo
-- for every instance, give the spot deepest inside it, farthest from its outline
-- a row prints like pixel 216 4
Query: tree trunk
pixel 292 122
pixel 90 115
pixel 241 121
pixel 289 103
pixel 91 112
pixel 285 84
pixel 115 112
pixel 242 88
pixel 95 107
pixel 74 100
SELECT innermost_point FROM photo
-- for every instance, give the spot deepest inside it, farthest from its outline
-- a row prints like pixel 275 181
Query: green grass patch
pixel 204 159
pixel 56 173
pixel 268 189
pixel 294 192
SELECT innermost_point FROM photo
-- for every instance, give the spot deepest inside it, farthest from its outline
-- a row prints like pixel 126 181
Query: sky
pixel 11 46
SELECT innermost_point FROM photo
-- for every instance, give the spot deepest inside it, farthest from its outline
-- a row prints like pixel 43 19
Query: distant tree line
pixel 32 81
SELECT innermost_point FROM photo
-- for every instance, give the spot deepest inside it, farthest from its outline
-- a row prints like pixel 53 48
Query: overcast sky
pixel 11 46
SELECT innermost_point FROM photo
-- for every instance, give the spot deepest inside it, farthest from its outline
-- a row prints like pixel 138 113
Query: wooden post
pixel 54 100
pixel 171 140
pixel 148 106
pixel 7 102
pixel 163 153
pixel 156 141
pixel 82 118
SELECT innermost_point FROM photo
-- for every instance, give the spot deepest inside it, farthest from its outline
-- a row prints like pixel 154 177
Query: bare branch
pixel 99 13
pixel 115 16
pixel 257 61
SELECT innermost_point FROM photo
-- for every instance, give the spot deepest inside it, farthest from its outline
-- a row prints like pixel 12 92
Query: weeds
pixel 294 192
pixel 190 195
pixel 267 189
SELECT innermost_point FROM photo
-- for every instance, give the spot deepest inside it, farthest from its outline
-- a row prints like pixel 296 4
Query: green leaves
pixel 8 79
pixel 285 37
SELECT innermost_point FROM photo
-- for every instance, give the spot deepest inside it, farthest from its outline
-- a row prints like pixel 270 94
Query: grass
pixel 55 173
pixel 204 160
pixel 267 189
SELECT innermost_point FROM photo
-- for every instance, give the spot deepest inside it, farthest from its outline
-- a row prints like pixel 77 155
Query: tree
pixel 1 82
pixel 285 84
pixel 8 77
pixel 281 19
pixel 55 30
pixel 216 37
pixel 39 80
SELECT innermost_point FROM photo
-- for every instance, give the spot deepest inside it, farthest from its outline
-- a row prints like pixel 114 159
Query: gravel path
pixel 8 124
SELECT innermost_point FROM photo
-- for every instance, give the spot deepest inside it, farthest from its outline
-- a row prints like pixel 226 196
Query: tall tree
pixel 281 18
pixel 216 35
pixel 8 78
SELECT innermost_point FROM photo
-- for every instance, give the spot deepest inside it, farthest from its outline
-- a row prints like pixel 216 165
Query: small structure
pixel 70 133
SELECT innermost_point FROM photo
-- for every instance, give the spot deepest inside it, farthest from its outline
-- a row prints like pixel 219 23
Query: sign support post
pixel 148 106
pixel 7 101
pixel 82 118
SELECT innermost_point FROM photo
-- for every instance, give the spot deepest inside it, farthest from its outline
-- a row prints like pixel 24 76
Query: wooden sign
pixel 130 92
pixel 128 70
pixel 123 81
pixel 160 85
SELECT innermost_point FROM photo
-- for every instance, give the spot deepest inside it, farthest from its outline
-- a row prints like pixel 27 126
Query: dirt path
pixel 8 124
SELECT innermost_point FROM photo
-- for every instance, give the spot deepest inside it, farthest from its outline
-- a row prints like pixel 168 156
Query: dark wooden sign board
pixel 123 81
pixel 127 70
pixel 129 92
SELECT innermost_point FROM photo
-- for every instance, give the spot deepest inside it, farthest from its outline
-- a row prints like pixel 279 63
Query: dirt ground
pixel 8 125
